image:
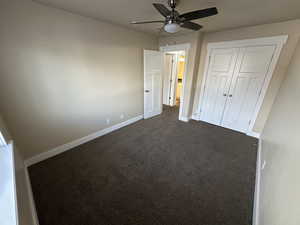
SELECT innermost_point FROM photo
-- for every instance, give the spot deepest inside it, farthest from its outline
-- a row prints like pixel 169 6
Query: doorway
pixel 174 76
pixel 164 79
pixel 174 68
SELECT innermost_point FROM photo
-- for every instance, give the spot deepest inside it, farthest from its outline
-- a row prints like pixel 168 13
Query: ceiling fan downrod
pixel 172 4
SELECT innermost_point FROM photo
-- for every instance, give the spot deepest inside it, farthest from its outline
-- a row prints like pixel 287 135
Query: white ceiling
pixel 232 13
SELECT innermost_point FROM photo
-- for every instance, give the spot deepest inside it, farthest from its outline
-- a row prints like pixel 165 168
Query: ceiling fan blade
pixel 191 25
pixel 163 10
pixel 145 22
pixel 199 14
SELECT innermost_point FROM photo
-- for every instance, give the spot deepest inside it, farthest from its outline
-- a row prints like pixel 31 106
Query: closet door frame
pixel 278 41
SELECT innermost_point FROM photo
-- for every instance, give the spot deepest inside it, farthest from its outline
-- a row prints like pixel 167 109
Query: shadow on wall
pixel 70 73
pixel 280 183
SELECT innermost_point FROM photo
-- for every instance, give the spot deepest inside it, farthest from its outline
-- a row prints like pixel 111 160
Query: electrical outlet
pixel 122 116
pixel 107 121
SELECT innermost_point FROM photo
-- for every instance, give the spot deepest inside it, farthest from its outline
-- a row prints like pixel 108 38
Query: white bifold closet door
pixel 220 70
pixel 248 78
pixel 234 82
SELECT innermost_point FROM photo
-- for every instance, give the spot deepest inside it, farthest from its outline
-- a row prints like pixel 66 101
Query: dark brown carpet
pixel 158 171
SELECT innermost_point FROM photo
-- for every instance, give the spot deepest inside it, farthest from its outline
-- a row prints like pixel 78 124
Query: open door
pixel 173 81
pixel 153 69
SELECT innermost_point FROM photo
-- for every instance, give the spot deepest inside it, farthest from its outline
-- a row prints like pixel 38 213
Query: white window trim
pixel 2 140
pixel 10 148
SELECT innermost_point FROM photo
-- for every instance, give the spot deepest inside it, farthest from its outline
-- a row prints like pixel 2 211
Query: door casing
pixel 180 47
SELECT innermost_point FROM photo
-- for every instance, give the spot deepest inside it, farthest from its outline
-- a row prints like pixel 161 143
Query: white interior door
pixel 169 79
pixel 251 69
pixel 220 69
pixel 168 64
pixel 153 69
pixel 173 81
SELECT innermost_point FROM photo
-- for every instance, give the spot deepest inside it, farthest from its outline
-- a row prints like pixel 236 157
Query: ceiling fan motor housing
pixel 173 17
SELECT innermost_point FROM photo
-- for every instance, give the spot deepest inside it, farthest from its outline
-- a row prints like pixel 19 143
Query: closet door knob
pixel 224 95
pixel 230 96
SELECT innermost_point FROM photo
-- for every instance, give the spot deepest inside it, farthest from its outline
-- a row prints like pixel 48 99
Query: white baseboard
pixel 195 116
pixel 257 185
pixel 80 141
pixel 253 134
pixel 184 119
pixel 31 199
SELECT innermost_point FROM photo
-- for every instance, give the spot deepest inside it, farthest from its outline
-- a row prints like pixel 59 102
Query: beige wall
pixel 291 28
pixel 63 75
pixel 280 181
pixel 193 38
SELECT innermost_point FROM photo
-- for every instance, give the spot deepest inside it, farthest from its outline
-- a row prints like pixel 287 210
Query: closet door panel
pixel 215 101
pixel 249 75
pixel 219 76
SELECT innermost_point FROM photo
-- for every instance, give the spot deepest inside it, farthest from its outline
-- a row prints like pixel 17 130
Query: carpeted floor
pixel 159 171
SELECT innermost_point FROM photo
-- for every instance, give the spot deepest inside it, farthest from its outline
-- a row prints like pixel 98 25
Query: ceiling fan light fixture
pixel 172 27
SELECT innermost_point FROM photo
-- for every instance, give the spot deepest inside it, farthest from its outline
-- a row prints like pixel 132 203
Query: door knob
pixel 224 95
pixel 230 96
pixel 147 91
